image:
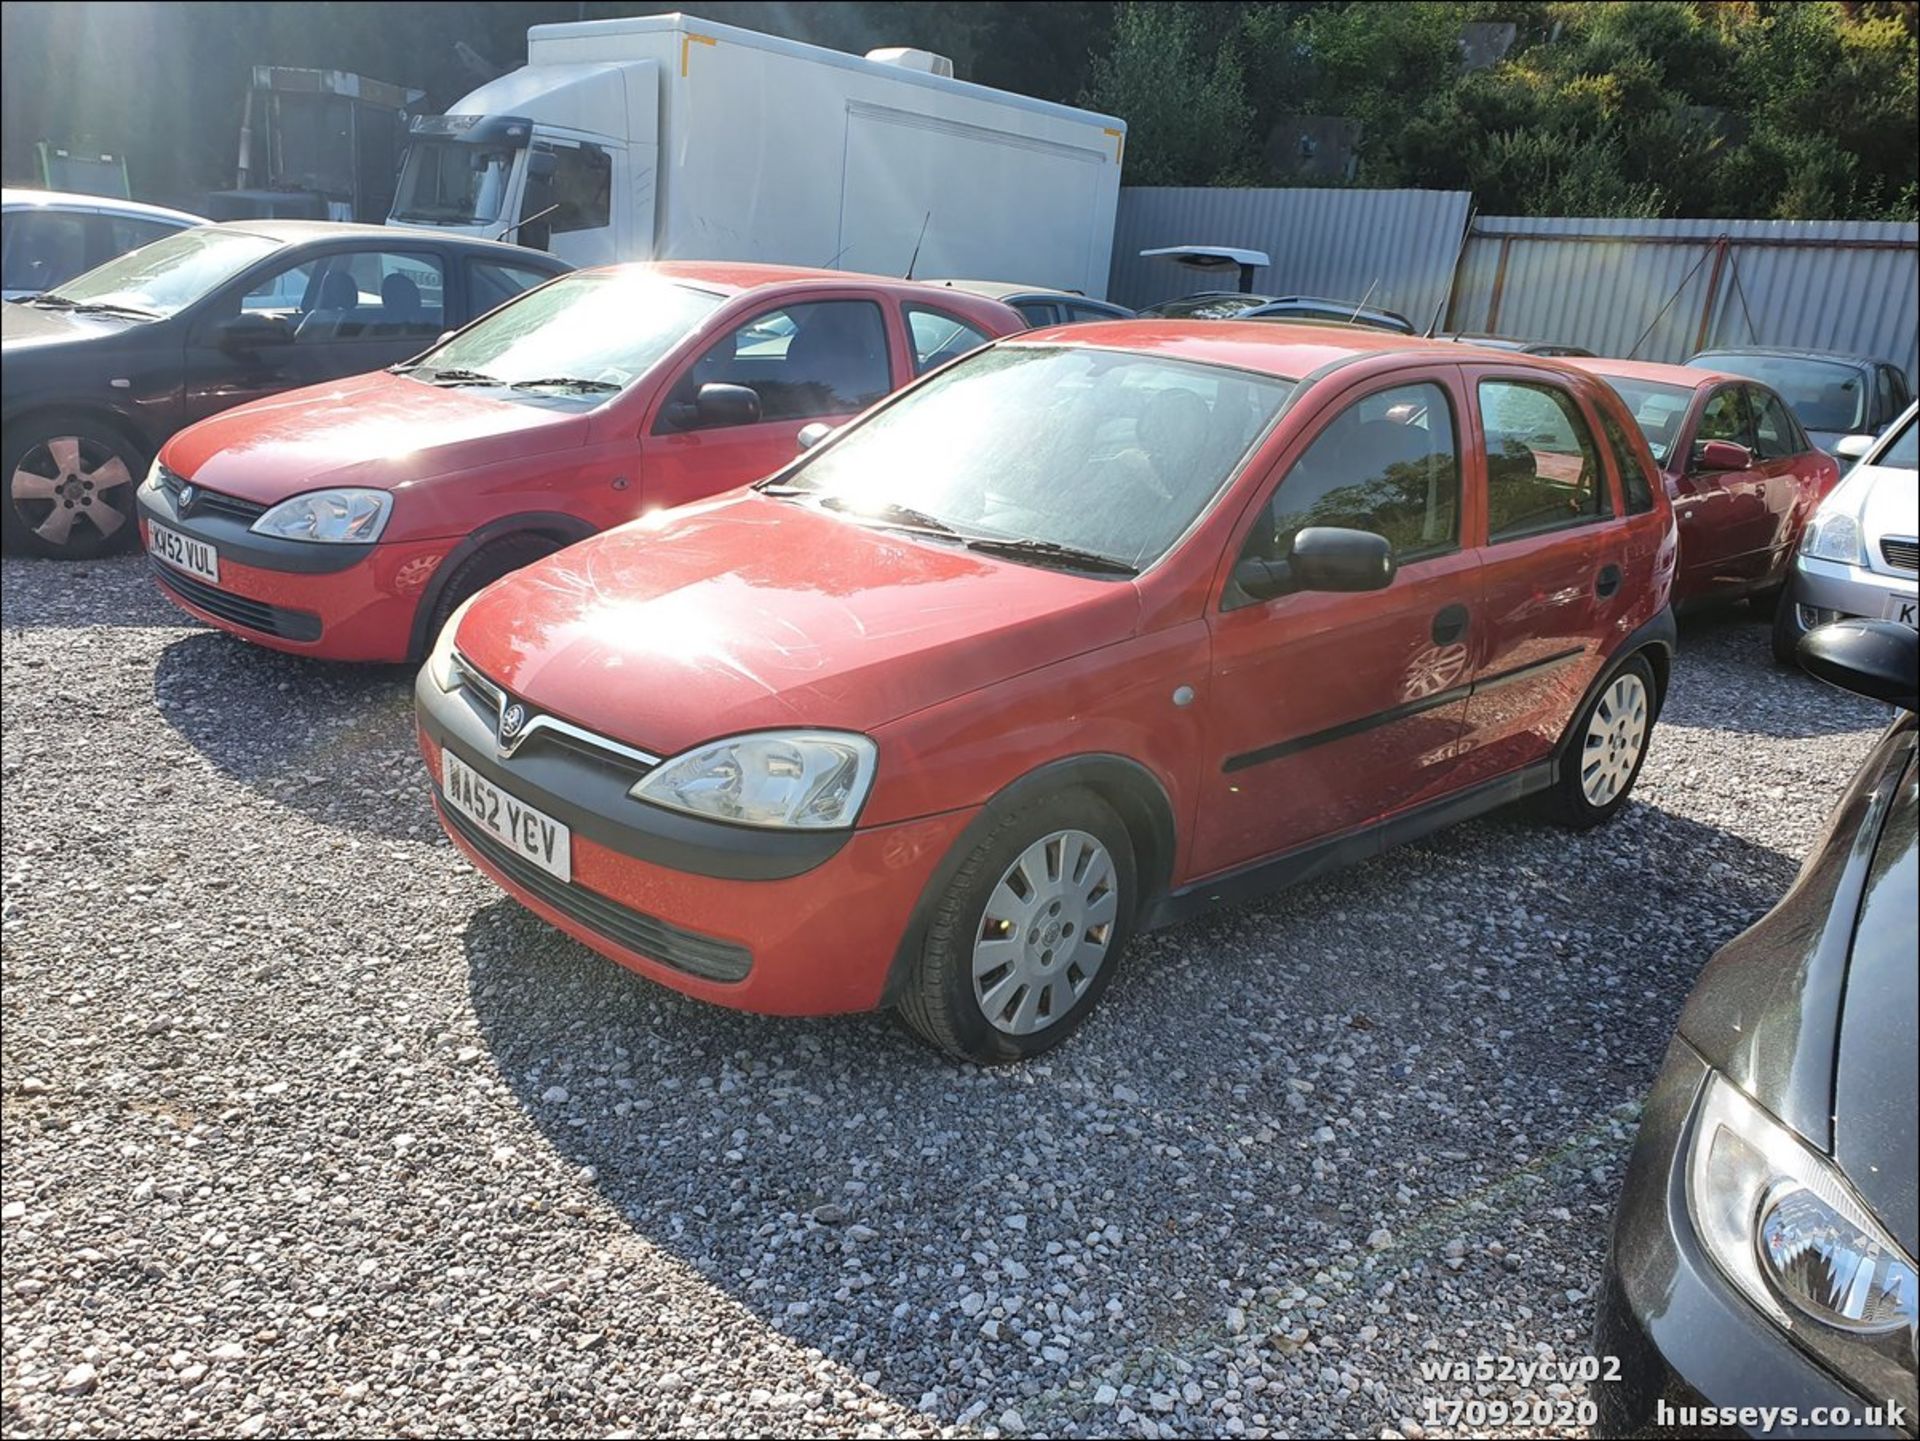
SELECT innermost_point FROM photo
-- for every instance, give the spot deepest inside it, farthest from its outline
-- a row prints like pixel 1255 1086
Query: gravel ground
pixel 308 1129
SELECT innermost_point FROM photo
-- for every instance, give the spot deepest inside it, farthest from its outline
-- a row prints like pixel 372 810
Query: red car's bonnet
pixel 748 612
pixel 379 430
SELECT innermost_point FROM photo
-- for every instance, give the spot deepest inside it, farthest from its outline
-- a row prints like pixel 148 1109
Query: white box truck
pixel 667 137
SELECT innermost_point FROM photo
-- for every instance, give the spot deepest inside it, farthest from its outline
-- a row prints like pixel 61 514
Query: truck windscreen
pixel 450 182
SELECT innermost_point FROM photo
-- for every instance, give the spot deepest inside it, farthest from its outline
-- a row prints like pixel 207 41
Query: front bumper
pixel 778 922
pixel 334 602
pixel 1852 590
pixel 1683 1336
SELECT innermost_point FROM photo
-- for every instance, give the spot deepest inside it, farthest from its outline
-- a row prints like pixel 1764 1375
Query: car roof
pixel 1268 346
pixel 1001 289
pixel 296 232
pixel 1687 377
pixel 18 198
pixel 1796 352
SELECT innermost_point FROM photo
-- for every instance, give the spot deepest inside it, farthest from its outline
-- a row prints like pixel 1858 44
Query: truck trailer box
pixel 667 137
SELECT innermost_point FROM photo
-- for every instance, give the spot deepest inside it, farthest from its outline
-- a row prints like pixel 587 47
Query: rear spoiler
pixel 1212 258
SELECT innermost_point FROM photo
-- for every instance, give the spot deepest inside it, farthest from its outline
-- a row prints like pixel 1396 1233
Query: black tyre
pixel 480 570
pixel 1028 933
pixel 1605 748
pixel 1766 603
pixel 66 487
pixel 1787 631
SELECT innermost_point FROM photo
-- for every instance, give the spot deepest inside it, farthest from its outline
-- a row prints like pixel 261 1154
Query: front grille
pixel 1901 554
pixel 237 609
pixel 621 761
pixel 209 502
pixel 688 951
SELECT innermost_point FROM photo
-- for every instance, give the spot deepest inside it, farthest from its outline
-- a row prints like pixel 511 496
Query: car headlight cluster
pixel 809 780
pixel 443 667
pixel 1834 536
pixel 1785 1228
pixel 340 517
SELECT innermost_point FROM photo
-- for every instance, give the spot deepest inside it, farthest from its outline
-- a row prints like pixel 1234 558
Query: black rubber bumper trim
pixel 238 610
pixel 699 955
pixel 231 536
pixel 592 799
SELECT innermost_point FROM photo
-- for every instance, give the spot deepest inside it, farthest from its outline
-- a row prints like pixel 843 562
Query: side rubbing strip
pixel 1397 713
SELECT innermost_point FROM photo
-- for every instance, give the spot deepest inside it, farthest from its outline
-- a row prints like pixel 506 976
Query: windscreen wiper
pixel 454 375
pixel 567 382
pixel 1069 557
pixel 107 307
pixel 903 517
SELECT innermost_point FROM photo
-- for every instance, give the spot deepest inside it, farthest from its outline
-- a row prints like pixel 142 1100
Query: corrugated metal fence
pixel 1400 244
pixel 1676 286
pixel 1670 286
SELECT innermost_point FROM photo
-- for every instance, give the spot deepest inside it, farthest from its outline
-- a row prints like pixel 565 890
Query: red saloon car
pixel 1743 476
pixel 1093 630
pixel 347 520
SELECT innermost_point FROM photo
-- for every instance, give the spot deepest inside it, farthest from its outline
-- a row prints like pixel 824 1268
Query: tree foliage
pixel 1645 108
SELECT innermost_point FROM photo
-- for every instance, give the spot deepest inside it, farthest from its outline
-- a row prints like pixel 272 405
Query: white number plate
pixel 530 834
pixel 1903 608
pixel 183 552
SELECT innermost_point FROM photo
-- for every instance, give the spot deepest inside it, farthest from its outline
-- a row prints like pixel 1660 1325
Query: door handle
pixel 1607 582
pixel 1449 624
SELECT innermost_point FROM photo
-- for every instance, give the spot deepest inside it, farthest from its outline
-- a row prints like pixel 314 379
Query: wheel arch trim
pixel 554 524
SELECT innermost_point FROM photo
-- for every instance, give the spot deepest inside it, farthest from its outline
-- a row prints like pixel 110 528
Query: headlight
pixel 440 664
pixel 334 516
pixel 1785 1228
pixel 1834 537
pixel 154 471
pixel 815 780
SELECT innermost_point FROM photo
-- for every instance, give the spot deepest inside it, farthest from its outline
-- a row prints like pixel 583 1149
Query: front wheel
pixel 1605 748
pixel 1027 934
pixel 1788 627
pixel 68 488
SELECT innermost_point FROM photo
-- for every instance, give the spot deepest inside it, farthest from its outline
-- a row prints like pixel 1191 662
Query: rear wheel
pixel 68 487
pixel 1028 933
pixel 1605 748
pixel 480 570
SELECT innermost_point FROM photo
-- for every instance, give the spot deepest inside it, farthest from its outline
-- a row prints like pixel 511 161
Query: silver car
pixel 1860 554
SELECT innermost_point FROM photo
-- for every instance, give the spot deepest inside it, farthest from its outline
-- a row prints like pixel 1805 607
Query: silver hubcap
pixel 1615 737
pixel 73 478
pixel 1045 932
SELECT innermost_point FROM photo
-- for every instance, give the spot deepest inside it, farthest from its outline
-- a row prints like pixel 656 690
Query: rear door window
pixel 939 337
pixel 1774 432
pixel 491 284
pixel 1543 467
pixel 1636 479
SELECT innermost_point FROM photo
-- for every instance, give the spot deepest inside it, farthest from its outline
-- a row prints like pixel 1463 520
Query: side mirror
pixel 812 435
pixel 1852 447
pixel 1718 455
pixel 250 331
pixel 1879 659
pixel 1325 558
pixel 715 405
pixel 445 336
pixel 541 164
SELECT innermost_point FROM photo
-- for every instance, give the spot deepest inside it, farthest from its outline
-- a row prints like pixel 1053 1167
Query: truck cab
pixel 565 184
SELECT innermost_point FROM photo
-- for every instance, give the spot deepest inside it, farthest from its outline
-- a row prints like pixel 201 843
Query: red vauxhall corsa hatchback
pixel 1743 476
pixel 1091 631
pixel 347 520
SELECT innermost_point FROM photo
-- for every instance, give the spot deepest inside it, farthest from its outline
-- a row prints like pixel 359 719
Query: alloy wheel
pixel 73 478
pixel 1045 932
pixel 1616 734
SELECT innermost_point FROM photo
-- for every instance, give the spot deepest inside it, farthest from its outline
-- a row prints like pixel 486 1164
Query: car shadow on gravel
pixel 1440 1048
pixel 1732 646
pixel 115 591
pixel 333 742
